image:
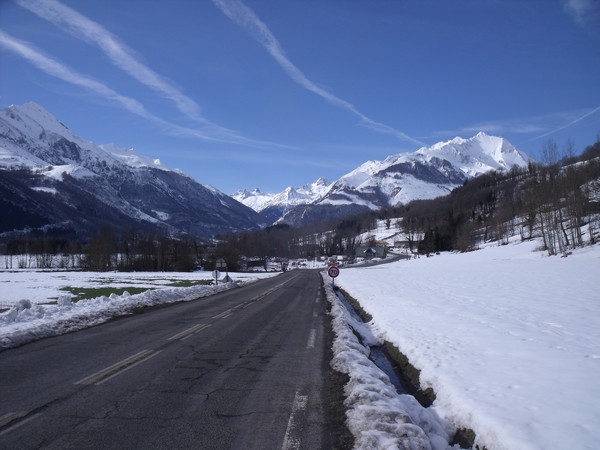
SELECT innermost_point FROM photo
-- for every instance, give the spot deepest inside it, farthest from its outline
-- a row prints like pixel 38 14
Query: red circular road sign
pixel 333 271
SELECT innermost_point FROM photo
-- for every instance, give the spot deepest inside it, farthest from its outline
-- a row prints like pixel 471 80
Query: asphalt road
pixel 241 369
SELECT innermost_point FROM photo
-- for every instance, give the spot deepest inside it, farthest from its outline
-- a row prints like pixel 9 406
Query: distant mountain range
pixel 275 206
pixel 52 180
pixel 427 173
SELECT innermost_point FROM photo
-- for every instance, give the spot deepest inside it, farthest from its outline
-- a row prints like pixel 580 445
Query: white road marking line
pixel 189 331
pixel 311 338
pixel 128 367
pixel 225 313
pixel 95 377
pixel 290 441
pixel 18 424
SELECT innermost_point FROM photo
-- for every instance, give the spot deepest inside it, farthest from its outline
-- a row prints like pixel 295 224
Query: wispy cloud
pixel 584 12
pixel 57 69
pixel 83 28
pixel 540 126
pixel 240 14
pixel 123 57
pixel 579 118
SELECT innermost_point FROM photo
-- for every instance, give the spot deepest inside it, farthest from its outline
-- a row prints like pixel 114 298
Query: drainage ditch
pixel 403 375
pixel 378 353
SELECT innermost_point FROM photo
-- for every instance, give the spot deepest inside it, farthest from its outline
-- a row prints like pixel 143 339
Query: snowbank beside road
pixel 26 321
pixel 377 416
pixel 508 338
pixel 43 286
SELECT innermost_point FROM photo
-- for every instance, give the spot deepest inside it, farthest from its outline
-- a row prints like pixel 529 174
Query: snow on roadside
pixel 26 321
pixel 43 286
pixel 508 338
pixel 377 416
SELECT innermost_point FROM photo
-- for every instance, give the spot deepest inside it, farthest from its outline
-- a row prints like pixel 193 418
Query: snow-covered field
pixel 508 338
pixel 45 286
pixel 39 308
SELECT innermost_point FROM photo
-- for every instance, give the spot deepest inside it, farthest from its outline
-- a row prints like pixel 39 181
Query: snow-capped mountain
pixel 51 178
pixel 427 173
pixel 274 206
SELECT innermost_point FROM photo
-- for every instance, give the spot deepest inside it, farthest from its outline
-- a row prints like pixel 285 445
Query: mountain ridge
pixel 130 189
pixel 427 173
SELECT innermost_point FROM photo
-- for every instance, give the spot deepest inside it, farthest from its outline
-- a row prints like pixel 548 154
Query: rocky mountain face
pixel 54 181
pixel 427 173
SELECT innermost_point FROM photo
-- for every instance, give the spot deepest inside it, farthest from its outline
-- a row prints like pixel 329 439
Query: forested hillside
pixel 558 202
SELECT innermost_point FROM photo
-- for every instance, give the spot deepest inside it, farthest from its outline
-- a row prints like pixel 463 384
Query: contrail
pixel 83 28
pixel 65 73
pixel 247 19
pixel 573 122
pixel 121 56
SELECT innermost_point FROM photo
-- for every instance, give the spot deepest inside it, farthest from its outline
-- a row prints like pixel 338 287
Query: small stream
pixel 378 353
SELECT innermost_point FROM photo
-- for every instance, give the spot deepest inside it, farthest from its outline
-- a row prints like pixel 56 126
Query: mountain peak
pixel 478 154
pixel 40 116
pixel 124 189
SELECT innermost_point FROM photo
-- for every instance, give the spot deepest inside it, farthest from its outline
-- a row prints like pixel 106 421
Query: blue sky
pixel 268 94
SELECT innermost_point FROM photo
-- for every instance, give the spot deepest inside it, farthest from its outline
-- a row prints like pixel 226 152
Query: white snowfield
pixel 508 338
pixel 30 317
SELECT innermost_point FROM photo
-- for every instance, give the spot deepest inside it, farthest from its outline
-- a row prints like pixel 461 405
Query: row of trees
pixel 283 241
pixel 130 251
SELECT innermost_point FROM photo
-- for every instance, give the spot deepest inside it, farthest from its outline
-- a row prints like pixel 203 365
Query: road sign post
pixel 333 272
pixel 221 264
pixel 216 274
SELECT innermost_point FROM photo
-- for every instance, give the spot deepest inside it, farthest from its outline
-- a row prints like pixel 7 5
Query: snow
pixel 258 200
pixel 376 415
pixel 131 158
pixel 478 154
pixel 58 172
pixel 32 123
pixel 30 317
pixel 508 338
pixel 161 214
pixel 47 190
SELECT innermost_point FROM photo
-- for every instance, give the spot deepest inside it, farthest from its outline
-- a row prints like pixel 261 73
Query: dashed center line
pixel 107 373
pixel 111 371
pixel 187 333
pixel 311 339
pixel 224 314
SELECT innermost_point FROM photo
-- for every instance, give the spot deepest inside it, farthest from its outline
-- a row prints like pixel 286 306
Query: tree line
pixel 106 251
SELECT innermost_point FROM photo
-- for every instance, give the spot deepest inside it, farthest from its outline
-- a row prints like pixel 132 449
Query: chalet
pixel 370 252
